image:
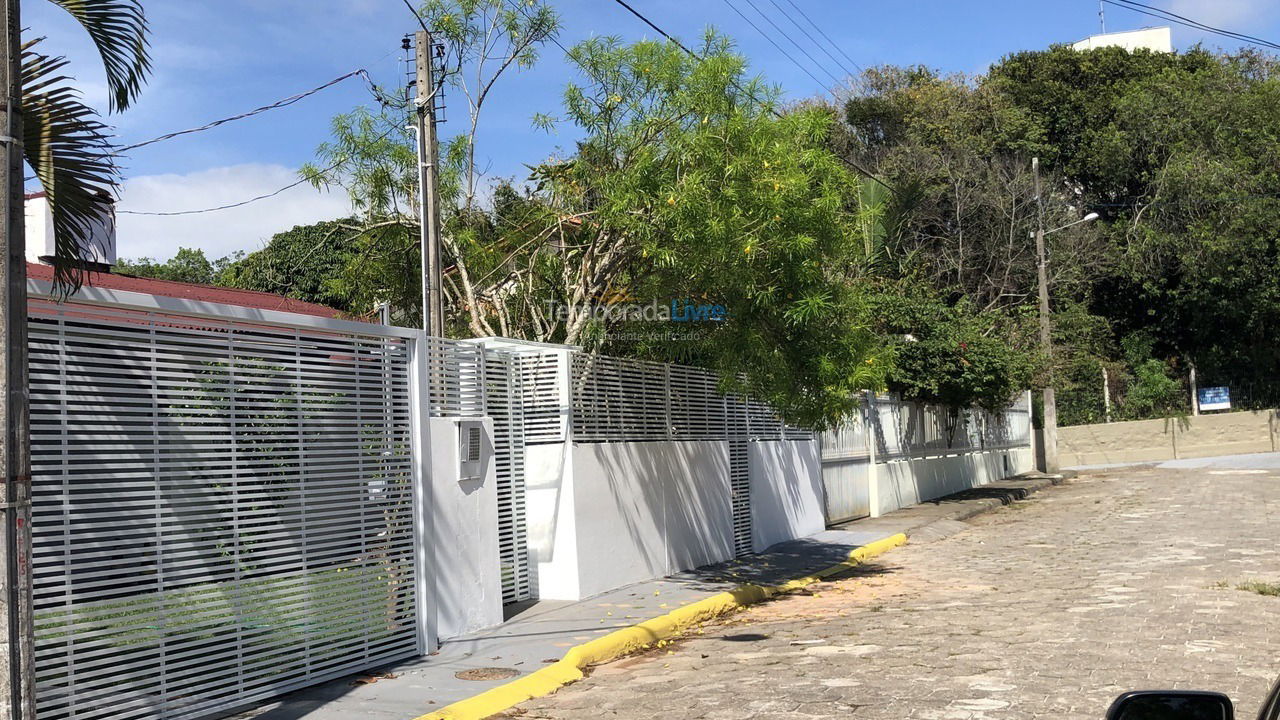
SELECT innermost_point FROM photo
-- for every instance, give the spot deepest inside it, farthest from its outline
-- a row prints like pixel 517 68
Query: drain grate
pixel 487 673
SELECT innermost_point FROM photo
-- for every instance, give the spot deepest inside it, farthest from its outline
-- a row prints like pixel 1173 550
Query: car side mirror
pixel 1171 705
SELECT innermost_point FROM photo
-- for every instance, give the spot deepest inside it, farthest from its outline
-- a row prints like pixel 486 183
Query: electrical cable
pixel 833 44
pixel 1189 22
pixel 835 80
pixel 416 16
pixel 851 163
pixel 776 46
pixel 242 203
pixel 278 104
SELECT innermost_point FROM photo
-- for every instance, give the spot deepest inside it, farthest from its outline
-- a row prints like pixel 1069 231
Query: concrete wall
pixel 902 482
pixel 551 520
pixel 1169 439
pixel 465 518
pixel 603 515
pixel 786 491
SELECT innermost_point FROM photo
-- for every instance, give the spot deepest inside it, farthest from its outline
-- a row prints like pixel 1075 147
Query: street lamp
pixel 1050 437
pixel 1087 218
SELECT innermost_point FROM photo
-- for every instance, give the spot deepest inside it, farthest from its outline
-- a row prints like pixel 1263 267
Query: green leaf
pixel 118 29
pixel 68 148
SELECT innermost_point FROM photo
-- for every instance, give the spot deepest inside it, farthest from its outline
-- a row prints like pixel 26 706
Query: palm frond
pixel 68 148
pixel 119 30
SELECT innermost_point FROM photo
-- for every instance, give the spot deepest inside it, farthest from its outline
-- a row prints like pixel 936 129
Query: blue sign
pixel 1215 398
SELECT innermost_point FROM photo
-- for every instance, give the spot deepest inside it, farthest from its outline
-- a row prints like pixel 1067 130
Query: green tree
pixel 951 354
pixel 1176 151
pixel 688 185
pixel 1153 391
pixel 307 262
pixel 189 265
pixel 374 162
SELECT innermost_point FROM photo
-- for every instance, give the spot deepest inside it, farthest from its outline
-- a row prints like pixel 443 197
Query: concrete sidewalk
pixel 542 633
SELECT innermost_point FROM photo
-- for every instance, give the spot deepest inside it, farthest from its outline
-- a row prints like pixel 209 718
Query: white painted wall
pixel 786 491
pixel 100 247
pixel 649 509
pixel 1159 39
pixel 904 482
pixel 551 520
pixel 465 523
pixel 604 515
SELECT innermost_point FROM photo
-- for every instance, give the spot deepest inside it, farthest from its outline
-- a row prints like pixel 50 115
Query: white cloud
pixel 1237 15
pixel 225 231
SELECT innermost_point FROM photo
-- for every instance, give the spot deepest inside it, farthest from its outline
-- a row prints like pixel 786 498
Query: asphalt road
pixel 1123 579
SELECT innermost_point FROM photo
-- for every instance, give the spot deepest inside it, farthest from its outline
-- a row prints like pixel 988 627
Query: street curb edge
pixel 640 636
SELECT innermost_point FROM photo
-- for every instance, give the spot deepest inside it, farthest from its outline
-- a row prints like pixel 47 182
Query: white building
pixel 1157 39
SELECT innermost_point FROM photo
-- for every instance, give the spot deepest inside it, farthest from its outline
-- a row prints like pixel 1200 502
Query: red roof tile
pixel 192 291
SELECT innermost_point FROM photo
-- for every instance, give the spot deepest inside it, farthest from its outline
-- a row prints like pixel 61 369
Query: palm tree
pixel 64 143
pixel 68 149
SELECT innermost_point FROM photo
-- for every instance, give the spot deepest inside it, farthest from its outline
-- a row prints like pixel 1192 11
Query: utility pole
pixel 1046 341
pixel 1102 17
pixel 428 184
pixel 17 685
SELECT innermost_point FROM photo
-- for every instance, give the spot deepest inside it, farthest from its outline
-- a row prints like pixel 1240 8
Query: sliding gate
pixel 223 510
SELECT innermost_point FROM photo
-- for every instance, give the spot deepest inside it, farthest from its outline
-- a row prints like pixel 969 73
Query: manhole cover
pixel 489 673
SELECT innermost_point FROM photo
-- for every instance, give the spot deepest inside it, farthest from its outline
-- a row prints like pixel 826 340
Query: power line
pixel 776 46
pixel 1189 22
pixel 278 104
pixel 784 34
pixel 242 203
pixel 220 207
pixel 817 27
pixel 851 163
pixel 656 29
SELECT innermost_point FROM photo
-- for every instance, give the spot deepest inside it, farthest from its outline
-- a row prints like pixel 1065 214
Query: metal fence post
pixel 872 416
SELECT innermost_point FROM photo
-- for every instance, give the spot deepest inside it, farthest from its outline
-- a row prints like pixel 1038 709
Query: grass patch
pixel 1271 589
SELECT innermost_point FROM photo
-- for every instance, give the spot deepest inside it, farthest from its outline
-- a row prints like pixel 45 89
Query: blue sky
pixel 215 58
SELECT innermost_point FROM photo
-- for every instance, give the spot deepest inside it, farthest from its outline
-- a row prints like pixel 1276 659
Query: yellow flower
pixel 776 186
pixel 746 250
pixel 671 200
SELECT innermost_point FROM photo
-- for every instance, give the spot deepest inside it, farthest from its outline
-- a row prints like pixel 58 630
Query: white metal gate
pixel 223 510
pixel 505 404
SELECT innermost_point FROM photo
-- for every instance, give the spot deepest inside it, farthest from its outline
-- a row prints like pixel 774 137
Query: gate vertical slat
pixel 504 402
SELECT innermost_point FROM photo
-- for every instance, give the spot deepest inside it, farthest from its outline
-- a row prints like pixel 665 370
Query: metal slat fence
pixel 902 428
pixel 223 511
pixel 614 399
pixel 504 391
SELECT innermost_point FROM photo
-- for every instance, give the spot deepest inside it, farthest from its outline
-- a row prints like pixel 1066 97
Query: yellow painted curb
pixel 637 637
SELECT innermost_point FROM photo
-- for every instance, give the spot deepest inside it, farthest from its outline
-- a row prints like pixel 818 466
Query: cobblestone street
pixel 1045 609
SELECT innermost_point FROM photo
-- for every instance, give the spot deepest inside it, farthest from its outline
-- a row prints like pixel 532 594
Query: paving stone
pixel 1050 608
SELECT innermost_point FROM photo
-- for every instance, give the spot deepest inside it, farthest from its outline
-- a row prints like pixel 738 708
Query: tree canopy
pixel 1176 151
pixel 692 189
